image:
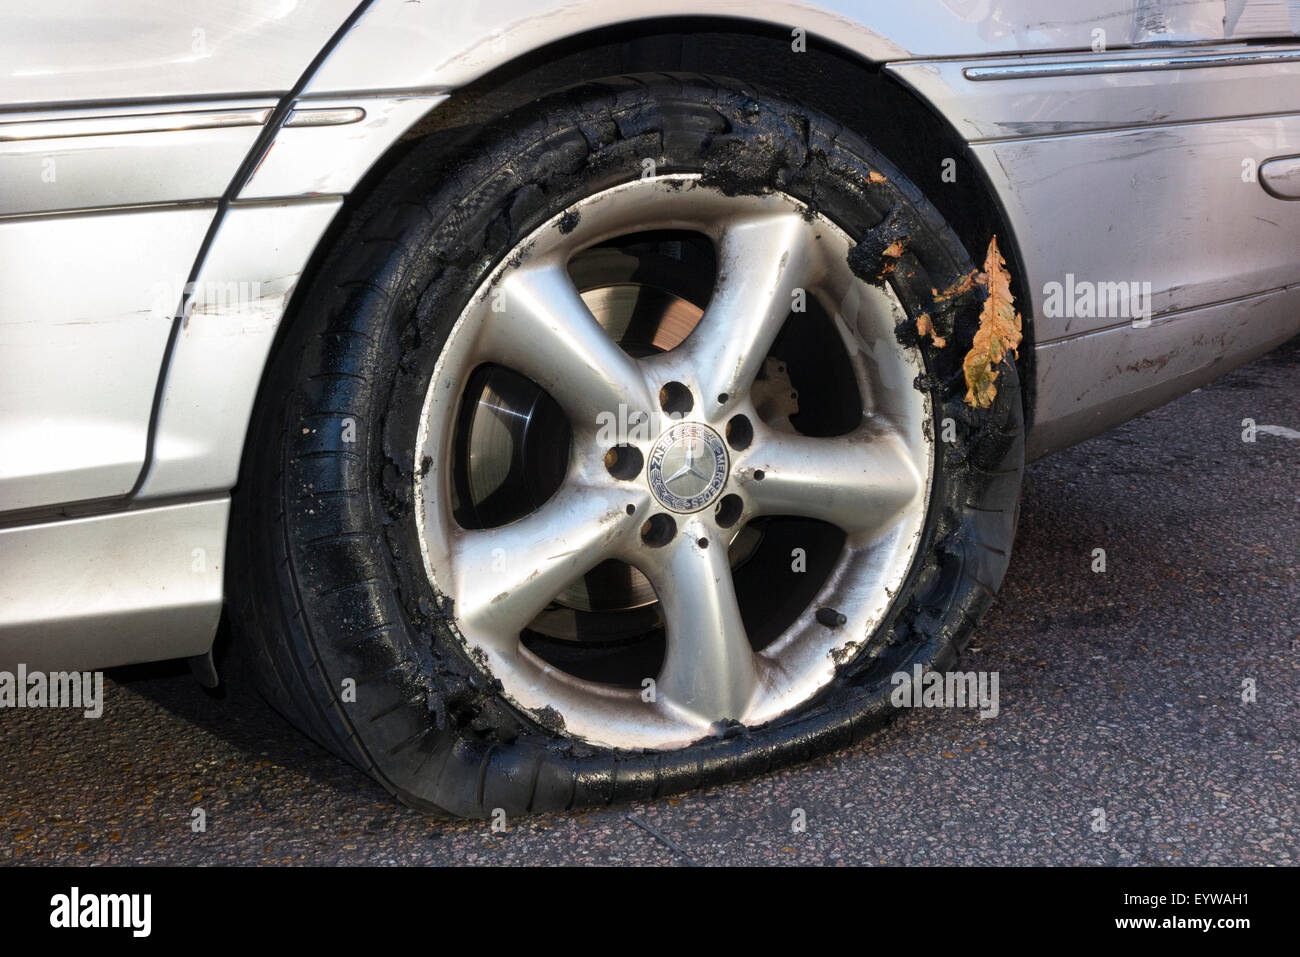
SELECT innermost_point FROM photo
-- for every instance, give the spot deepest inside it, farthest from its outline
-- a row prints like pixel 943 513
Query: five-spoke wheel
pixel 672 453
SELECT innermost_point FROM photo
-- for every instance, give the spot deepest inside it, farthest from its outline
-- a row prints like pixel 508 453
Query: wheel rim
pixel 692 484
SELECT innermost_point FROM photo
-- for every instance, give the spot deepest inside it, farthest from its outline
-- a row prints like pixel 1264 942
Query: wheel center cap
pixel 687 467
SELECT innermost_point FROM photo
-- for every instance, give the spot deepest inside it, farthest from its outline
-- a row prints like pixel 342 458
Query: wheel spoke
pixel 859 482
pixel 545 331
pixel 504 576
pixel 709 669
pixel 761 262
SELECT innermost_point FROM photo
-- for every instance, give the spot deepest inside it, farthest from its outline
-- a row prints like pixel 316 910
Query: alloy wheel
pixel 654 391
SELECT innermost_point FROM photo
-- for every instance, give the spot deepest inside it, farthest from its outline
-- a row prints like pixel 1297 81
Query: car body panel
pixel 87 303
pixel 148 122
pixel 1093 382
pixel 400 45
pixel 248 275
pixel 95 158
pixel 106 590
pixel 315 159
pixel 123 122
pixel 1136 172
pixel 1033 96
pixel 79 51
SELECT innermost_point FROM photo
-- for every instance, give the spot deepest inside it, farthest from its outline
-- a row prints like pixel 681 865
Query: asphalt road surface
pixel 1121 693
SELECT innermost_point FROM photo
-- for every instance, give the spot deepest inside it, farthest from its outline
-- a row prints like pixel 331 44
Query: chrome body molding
pixel 1131 64
pixel 77 159
pixel 109 122
pixel 87 158
pixel 112 589
pixel 1054 104
pixel 309 157
pixel 305 116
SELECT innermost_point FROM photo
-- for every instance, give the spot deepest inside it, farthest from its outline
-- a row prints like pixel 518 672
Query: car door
pixel 120 130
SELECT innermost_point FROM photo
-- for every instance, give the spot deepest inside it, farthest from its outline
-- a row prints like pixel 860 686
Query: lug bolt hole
pixel 722 398
pixel 703 543
pixel 676 399
pixel 759 474
pixel 729 509
pixel 740 432
pixel 624 462
pixel 658 530
pixel 631 509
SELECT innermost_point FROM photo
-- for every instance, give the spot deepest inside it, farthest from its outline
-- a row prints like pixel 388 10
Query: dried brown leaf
pixel 998 334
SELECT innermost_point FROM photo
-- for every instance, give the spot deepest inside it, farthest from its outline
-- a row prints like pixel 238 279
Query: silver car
pixel 568 403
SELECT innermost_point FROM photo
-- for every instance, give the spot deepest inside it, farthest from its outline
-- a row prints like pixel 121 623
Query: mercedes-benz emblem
pixel 688 467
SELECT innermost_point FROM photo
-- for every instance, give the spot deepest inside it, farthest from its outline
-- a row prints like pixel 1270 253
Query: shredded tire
pixel 326 584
